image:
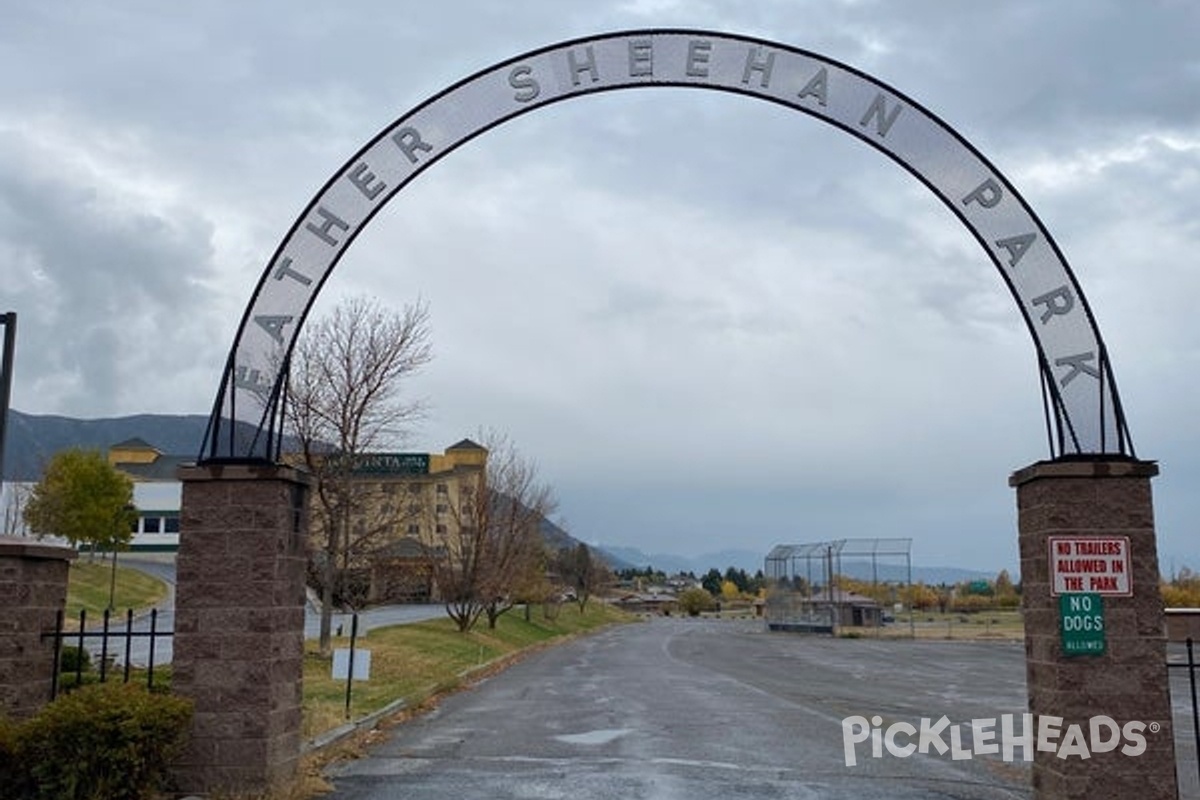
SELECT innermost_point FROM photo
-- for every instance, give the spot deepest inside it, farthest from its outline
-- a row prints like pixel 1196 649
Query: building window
pixel 171 525
pixel 441 528
pixel 442 488
pixel 151 524
pixel 414 529
pixel 442 508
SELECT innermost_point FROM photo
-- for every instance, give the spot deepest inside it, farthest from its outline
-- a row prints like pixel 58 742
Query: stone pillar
pixel 33 589
pixel 239 624
pixel 1128 682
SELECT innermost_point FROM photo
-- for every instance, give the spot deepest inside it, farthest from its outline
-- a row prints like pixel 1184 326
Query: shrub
pixel 101 742
pixel 74 659
pixel 9 772
pixel 695 600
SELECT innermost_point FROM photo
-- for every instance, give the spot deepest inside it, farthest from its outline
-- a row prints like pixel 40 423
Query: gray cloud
pixel 712 321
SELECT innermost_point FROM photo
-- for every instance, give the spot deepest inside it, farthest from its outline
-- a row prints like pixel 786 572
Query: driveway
pixel 164 569
pixel 677 708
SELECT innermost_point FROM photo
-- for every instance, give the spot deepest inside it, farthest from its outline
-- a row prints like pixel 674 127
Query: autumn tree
pixel 694 600
pixel 918 596
pixel 1182 590
pixel 493 552
pixel 1006 593
pixel 345 399
pixel 85 500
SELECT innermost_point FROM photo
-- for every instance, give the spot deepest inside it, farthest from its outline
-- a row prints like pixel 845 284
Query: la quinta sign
pixel 1078 387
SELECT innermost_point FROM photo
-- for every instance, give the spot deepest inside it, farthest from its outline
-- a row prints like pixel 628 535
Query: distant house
pixel 157 493
pixel 664 603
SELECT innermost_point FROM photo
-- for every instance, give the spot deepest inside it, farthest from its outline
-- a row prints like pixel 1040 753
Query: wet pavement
pixel 703 708
pixel 139 647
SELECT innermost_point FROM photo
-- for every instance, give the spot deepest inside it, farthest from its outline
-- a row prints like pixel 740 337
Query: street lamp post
pixel 9 321
pixel 121 518
pixel 112 583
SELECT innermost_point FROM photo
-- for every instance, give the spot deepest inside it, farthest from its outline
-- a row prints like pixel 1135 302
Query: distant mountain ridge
pixel 32 439
pixel 886 569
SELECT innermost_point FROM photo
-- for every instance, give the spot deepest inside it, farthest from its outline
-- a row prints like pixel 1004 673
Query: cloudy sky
pixel 713 322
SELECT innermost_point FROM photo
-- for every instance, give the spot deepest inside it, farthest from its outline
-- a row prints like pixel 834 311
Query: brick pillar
pixel 33 589
pixel 239 624
pixel 1096 498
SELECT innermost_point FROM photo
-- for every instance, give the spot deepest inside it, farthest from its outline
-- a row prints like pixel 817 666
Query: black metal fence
pixel 112 643
pixel 1187 661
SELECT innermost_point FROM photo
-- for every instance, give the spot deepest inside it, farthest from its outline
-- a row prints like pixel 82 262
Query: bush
pixel 74 659
pixel 9 773
pixel 695 600
pixel 101 742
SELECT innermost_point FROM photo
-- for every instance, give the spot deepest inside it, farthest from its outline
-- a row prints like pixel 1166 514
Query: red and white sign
pixel 1092 564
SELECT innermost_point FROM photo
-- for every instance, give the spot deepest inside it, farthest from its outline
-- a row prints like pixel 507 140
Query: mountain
pixel 31 439
pixel 885 569
pixel 749 560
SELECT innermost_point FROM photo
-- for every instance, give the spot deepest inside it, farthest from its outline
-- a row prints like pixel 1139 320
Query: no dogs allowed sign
pixel 1094 564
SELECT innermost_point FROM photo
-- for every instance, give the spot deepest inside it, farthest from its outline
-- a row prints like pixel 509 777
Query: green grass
pixel 987 624
pixel 416 661
pixel 90 582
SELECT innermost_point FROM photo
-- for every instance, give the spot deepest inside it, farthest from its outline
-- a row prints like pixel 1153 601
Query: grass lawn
pixel 995 624
pixel 416 661
pixel 91 581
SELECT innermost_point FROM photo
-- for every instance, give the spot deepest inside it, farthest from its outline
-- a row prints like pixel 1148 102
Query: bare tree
pixel 496 546
pixel 344 400
pixel 14 496
pixel 583 572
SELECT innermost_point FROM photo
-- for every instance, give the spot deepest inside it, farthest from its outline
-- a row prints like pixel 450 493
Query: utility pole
pixel 9 321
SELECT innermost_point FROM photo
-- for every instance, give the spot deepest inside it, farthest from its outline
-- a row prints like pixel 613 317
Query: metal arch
pixel 1083 411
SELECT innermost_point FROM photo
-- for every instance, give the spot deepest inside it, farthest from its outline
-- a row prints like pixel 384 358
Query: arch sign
pixel 1084 415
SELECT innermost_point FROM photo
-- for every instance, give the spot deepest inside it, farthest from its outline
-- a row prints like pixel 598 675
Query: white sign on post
pixel 341 664
pixel 1092 564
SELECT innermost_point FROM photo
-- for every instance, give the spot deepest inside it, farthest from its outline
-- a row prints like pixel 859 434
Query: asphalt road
pixel 688 708
pixel 139 649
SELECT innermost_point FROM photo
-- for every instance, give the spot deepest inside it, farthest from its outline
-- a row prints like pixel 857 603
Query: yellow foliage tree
pixel 1182 591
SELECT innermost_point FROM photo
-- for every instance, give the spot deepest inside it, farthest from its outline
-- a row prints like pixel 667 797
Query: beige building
pixel 156 493
pixel 400 506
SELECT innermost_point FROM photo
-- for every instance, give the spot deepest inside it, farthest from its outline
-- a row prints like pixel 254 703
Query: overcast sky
pixel 713 322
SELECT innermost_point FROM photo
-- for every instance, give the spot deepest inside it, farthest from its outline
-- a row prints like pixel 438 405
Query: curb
pixel 335 735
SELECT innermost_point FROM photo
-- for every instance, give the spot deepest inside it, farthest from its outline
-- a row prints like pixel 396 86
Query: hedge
pixel 100 742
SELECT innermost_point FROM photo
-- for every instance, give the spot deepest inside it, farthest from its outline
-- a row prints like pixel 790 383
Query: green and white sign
pixel 1081 622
